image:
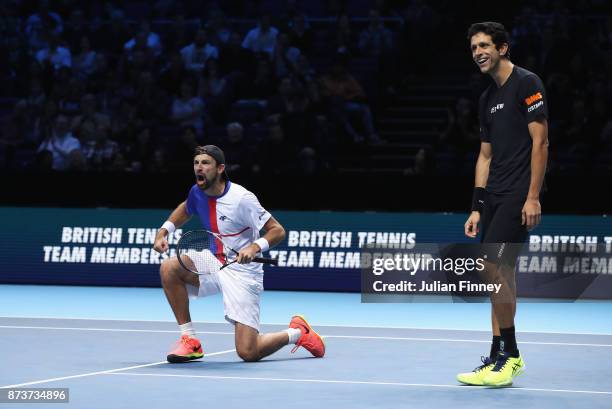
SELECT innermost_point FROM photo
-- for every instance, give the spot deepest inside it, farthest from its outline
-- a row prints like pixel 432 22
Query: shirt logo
pixel 224 218
pixel 496 108
pixel 535 97
pixel 262 214
pixel 536 106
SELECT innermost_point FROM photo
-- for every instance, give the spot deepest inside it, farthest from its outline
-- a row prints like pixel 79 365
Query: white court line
pixel 424 385
pixel 324 336
pixel 318 325
pixel 110 371
pixel 176 331
pixel 465 340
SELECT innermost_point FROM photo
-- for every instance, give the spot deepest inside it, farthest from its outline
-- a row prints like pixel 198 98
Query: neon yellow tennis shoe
pixel 476 377
pixel 505 370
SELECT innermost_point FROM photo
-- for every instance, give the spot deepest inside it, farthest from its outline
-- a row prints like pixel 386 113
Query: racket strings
pixel 203 251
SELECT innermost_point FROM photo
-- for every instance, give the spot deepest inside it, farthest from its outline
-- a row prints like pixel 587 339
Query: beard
pixel 207 182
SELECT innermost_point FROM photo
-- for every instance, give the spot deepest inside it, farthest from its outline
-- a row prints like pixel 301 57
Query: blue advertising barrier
pixel 321 251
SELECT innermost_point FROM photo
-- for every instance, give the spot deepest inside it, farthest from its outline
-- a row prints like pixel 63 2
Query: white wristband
pixel 168 225
pixel 263 244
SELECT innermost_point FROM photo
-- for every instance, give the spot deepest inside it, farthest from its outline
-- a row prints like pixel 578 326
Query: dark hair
pixel 214 152
pixel 497 31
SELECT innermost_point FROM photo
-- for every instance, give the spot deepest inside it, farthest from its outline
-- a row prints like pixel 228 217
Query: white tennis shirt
pixel 236 215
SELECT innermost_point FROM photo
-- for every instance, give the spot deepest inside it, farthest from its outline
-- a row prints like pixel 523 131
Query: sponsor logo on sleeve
pixel 535 97
pixel 534 101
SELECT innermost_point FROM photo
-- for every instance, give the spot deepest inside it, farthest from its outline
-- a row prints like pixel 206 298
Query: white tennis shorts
pixel 241 292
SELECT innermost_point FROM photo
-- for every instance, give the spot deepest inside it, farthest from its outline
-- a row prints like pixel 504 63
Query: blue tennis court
pixel 113 361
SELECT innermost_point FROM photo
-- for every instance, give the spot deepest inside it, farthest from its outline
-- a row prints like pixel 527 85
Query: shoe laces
pixel 188 341
pixel 486 361
pixel 502 360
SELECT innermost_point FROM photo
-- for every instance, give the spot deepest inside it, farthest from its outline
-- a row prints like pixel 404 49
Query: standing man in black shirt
pixel 509 177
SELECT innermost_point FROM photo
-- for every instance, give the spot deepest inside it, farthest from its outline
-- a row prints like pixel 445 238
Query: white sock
pixel 187 329
pixel 294 334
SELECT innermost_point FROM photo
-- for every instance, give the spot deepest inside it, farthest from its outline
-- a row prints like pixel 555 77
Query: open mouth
pixel 481 61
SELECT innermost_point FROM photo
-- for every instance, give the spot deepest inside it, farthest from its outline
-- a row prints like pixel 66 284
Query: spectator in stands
pixel 285 57
pixel 101 152
pixel 347 96
pixel 42 23
pixel 149 99
pixel 124 122
pixel 308 163
pixel 300 36
pixel 188 109
pixel 303 71
pixel 219 31
pixel 345 41
pixel 159 162
pixel 275 154
pixel 263 86
pixel 70 103
pixel 212 84
pixel 240 156
pixel 54 54
pixel 65 148
pixel 238 65
pixel 144 38
pixel 138 153
pixel 84 125
pixel 290 108
pixel 84 63
pixel 262 38
pixel 376 39
pixel 213 89
pixel 279 104
pixel 196 54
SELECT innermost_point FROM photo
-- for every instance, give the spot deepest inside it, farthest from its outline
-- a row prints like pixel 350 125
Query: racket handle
pixel 266 260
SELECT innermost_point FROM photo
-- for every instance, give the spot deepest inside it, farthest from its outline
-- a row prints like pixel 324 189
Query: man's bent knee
pixel 248 354
pixel 170 270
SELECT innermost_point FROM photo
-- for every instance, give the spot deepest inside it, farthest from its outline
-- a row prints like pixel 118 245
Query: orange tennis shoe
pixel 309 339
pixel 187 349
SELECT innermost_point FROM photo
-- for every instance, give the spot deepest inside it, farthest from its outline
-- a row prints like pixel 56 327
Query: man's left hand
pixel 532 213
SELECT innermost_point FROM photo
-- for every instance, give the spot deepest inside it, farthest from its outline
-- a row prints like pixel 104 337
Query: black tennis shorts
pixel 503 234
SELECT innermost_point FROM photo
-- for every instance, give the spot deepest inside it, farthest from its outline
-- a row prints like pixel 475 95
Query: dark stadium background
pixel 295 151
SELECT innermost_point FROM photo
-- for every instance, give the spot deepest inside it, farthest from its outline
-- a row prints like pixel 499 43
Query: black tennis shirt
pixel 504 113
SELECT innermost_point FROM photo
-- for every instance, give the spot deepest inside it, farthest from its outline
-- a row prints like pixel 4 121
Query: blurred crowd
pixel 135 86
pixel 569 45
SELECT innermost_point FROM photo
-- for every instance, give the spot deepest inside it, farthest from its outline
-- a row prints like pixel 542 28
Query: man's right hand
pixel 161 242
pixel 471 225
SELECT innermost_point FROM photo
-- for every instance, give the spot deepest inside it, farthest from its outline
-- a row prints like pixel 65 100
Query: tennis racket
pixel 197 241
